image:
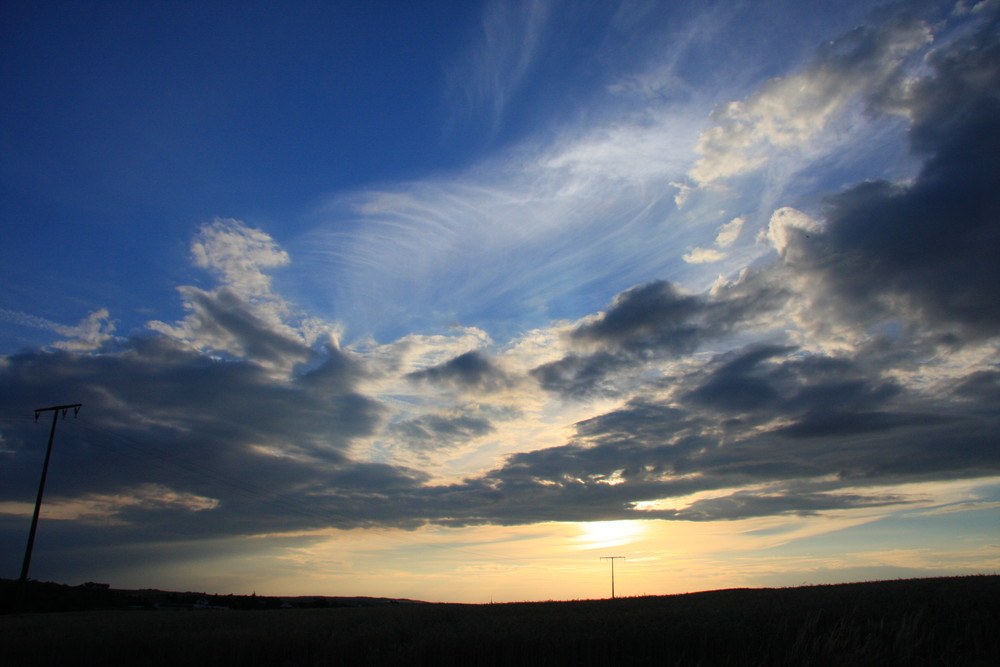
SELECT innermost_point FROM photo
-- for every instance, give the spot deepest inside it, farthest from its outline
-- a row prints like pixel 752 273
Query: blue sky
pixel 441 300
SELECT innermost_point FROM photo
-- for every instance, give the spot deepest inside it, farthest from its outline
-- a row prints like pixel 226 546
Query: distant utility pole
pixel 56 409
pixel 612 559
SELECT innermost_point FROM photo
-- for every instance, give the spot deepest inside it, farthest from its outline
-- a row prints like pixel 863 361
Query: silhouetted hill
pixel 44 596
pixel 940 621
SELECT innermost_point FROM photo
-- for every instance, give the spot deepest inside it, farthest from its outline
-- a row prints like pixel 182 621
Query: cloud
pixel 554 229
pixel 433 432
pixel 703 256
pixel 764 431
pixel 471 371
pixel 683 193
pixel 107 508
pixel 777 428
pixel 494 71
pixel 171 417
pixel 231 412
pixel 729 232
pixel 789 114
pixel 922 251
pixel 93 332
pixel 656 314
pixel 436 431
pixel 787 222
pixel 556 223
pixel 983 385
pixel 581 375
pixel 649 322
pixel 727 235
pixel 237 254
pixel 242 317
pixel 223 321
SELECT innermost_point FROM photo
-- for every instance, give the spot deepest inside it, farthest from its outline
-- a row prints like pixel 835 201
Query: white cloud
pixel 786 221
pixel 729 232
pixel 726 237
pixel 788 114
pixel 703 256
pixel 238 255
pixel 646 150
pixel 683 193
pixel 90 334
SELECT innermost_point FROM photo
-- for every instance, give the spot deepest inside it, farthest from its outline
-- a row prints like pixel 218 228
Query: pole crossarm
pixel 75 407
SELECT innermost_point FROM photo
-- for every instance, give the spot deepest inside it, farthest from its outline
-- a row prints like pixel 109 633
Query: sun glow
pixel 604 534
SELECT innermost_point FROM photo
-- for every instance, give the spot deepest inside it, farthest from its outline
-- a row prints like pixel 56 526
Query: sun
pixel 604 534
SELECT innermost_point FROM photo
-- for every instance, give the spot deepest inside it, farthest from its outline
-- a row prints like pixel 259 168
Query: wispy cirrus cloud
pixel 512 34
pixel 91 333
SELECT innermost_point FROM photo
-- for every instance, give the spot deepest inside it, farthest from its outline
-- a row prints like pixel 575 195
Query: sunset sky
pixel 448 300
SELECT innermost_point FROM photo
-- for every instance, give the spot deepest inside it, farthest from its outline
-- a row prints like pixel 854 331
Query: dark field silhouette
pixel 941 621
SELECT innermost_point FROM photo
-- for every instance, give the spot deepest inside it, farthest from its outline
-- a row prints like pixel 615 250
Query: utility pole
pixel 56 409
pixel 612 559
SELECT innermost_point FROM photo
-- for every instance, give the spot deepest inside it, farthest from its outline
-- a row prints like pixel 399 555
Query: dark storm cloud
pixel 472 371
pixel 225 315
pixel 578 483
pixel 657 319
pixel 431 432
pixel 652 321
pixel 927 251
pixel 159 420
pixel 983 386
pixel 378 478
pixel 651 316
pixel 792 433
pixel 745 505
pixel 582 375
pixel 748 382
pixel 735 387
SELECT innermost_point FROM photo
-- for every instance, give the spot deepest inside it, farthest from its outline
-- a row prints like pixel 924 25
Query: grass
pixel 943 621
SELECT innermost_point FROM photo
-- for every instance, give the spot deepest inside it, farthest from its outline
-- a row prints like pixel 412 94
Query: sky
pixel 450 300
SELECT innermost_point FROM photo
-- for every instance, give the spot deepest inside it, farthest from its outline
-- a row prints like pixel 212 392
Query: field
pixel 943 621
